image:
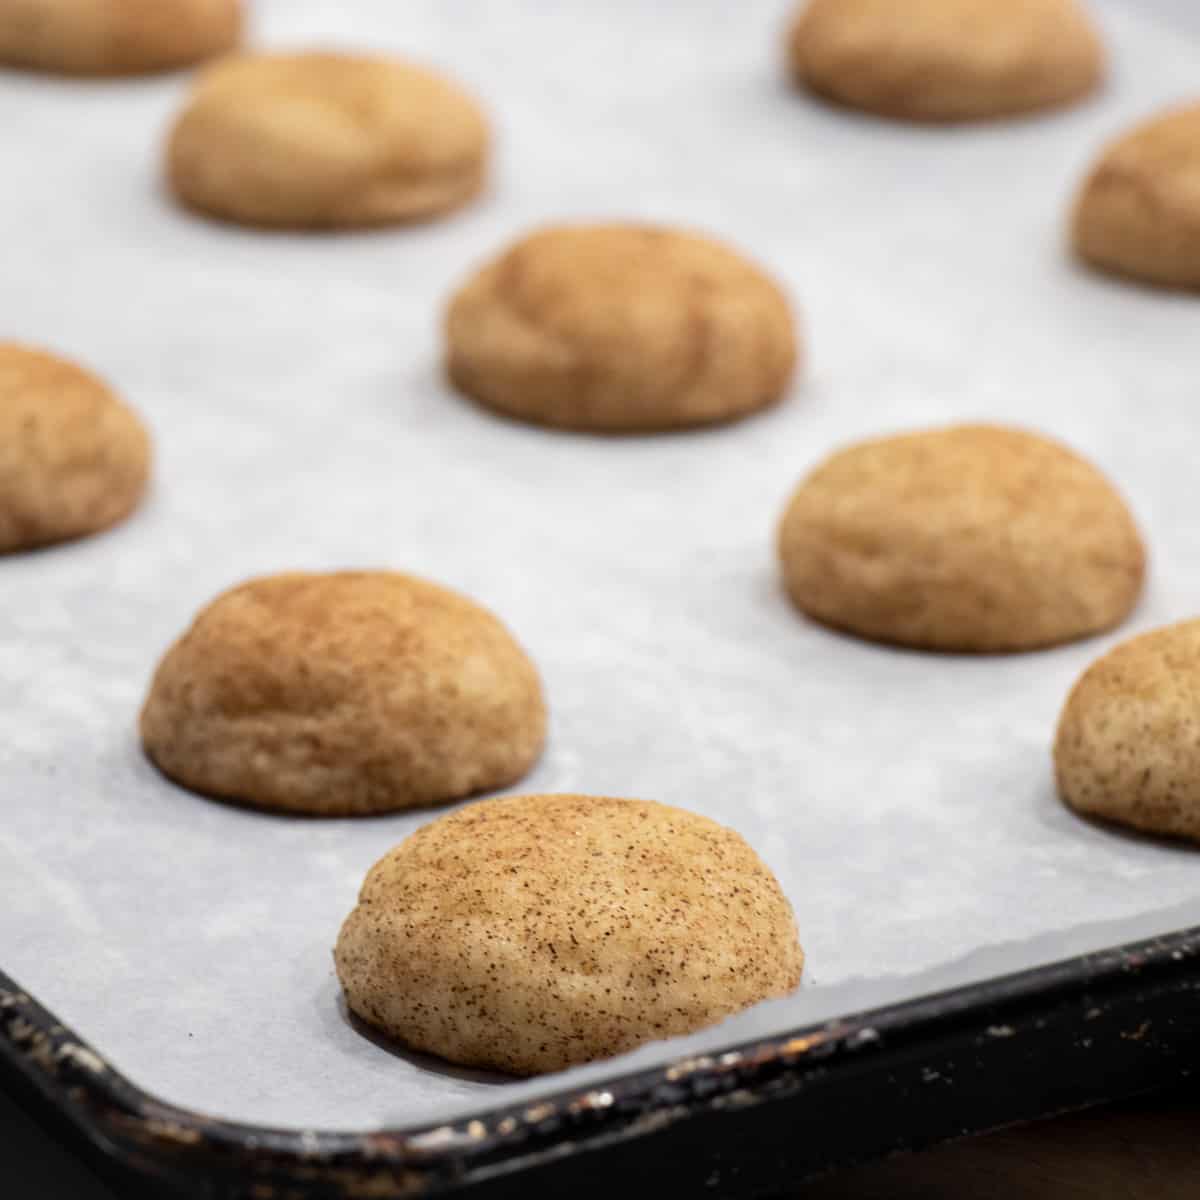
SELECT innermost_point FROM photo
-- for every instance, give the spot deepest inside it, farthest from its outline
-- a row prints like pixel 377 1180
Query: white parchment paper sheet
pixel 905 801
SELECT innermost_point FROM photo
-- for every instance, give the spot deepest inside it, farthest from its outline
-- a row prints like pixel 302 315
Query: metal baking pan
pixel 905 801
pixel 756 1119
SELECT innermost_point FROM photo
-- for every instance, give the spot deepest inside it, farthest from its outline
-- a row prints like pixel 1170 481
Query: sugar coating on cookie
pixel 1128 741
pixel 344 693
pixel 323 140
pixel 74 459
pixel 533 933
pixel 620 328
pixel 1138 213
pixel 946 60
pixel 116 37
pixel 975 538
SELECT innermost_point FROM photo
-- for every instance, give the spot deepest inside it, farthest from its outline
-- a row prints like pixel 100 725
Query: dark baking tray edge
pixel 754 1120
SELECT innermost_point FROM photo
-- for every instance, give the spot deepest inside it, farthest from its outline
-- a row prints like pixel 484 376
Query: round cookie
pixel 73 458
pixel 533 933
pixel 346 693
pixel 1138 213
pixel 946 60
pixel 116 37
pixel 322 141
pixel 620 329
pixel 974 538
pixel 1128 742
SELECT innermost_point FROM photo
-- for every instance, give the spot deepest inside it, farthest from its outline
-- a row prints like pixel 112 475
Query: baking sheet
pixel 905 801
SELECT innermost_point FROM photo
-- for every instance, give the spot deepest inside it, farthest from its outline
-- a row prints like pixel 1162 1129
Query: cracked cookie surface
pixel 620 328
pixel 325 141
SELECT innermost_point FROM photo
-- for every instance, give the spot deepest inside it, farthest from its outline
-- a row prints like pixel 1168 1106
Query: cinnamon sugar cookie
pixel 946 60
pixel 532 933
pixel 620 328
pixel 73 458
pixel 1139 211
pixel 1128 742
pixel 116 37
pixel 322 140
pixel 353 692
pixel 974 538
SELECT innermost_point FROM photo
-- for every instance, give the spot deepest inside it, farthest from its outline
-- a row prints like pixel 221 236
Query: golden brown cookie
pixel 1139 211
pixel 73 458
pixel 312 141
pixel 533 933
pixel 353 692
pixel 946 60
pixel 116 37
pixel 973 538
pixel 620 328
pixel 1128 744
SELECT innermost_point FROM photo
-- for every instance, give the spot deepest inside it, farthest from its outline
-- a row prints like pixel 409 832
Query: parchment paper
pixel 905 801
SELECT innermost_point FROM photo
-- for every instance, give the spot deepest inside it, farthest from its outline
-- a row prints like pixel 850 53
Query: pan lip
pixel 154 1136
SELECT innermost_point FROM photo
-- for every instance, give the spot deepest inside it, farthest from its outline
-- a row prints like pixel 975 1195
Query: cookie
pixel 620 329
pixel 73 458
pixel 1138 213
pixel 974 538
pixel 1128 742
pixel 324 141
pixel 533 933
pixel 946 60
pixel 345 693
pixel 116 37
